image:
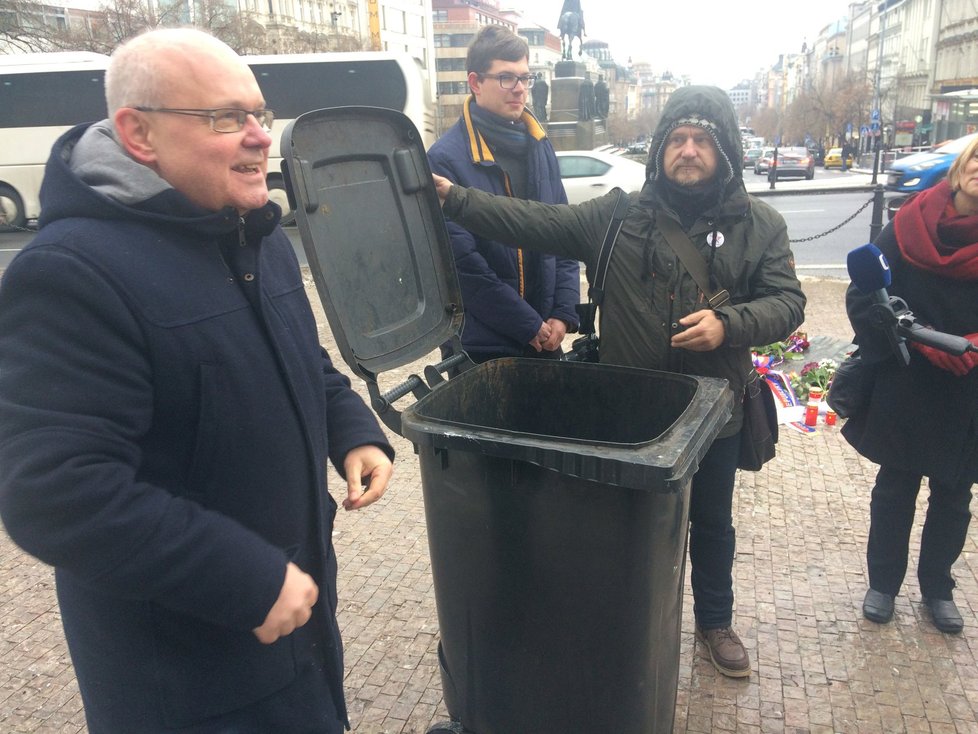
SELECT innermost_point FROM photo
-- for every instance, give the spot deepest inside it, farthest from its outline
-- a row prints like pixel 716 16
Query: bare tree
pixel 28 26
pixel 825 112
pixel 767 123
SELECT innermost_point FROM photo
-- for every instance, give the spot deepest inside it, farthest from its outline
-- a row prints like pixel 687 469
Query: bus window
pixel 43 95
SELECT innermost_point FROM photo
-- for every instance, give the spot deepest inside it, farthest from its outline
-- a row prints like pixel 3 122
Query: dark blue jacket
pixel 507 291
pixel 166 415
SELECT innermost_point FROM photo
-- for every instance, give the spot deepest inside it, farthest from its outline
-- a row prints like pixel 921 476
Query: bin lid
pixel 373 233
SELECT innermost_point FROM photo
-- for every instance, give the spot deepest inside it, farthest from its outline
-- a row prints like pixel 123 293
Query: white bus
pixel 43 95
pixel 297 83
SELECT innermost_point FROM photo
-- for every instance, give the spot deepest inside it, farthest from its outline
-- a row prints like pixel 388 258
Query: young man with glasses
pixel 164 403
pixel 517 302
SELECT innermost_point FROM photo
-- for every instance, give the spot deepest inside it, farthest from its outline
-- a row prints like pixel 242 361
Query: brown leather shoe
pixel 726 651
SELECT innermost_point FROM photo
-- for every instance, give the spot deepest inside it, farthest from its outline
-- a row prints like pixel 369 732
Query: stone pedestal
pixel 570 68
pixel 565 99
pixel 566 129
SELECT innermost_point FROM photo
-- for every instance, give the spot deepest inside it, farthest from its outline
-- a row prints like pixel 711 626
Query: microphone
pixel 949 343
pixel 870 273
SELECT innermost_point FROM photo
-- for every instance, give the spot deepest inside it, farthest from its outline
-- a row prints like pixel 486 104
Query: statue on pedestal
pixel 540 91
pixel 602 100
pixel 585 99
pixel 571 26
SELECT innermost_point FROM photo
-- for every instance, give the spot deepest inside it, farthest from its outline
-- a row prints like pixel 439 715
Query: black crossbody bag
pixel 759 433
pixel 587 348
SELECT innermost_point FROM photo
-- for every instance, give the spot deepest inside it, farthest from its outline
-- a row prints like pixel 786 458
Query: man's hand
pixel 558 330
pixel 703 332
pixel 370 464
pixel 293 607
pixel 543 335
pixel 442 186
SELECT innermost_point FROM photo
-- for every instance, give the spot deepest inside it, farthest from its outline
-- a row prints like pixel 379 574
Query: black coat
pixel 166 415
pixel 921 419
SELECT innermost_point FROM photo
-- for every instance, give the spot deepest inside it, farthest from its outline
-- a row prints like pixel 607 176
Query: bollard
pixel 876 223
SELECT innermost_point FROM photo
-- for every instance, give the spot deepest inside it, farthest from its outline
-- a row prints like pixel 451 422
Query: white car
pixel 587 174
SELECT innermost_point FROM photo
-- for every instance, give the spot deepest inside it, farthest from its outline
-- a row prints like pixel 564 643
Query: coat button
pixel 249 277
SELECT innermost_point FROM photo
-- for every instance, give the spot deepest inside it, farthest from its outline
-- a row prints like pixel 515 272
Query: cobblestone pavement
pixel 799 579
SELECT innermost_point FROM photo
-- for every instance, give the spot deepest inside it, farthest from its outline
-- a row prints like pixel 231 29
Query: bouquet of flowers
pixel 774 354
pixel 814 374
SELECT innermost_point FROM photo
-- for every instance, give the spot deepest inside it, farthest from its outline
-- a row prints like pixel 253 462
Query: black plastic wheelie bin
pixel 556 493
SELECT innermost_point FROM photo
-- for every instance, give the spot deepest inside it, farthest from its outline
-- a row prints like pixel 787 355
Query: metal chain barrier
pixel 837 227
pixel 290 219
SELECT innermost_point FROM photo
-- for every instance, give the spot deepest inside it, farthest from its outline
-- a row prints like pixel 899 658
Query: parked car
pixel 833 159
pixel 795 162
pixel 763 162
pixel 751 156
pixel 922 170
pixel 587 174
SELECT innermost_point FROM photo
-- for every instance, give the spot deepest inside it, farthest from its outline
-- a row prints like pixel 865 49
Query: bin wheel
pixel 448 727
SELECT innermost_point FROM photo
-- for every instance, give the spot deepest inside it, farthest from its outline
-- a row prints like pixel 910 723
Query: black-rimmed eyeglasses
pixel 223 119
pixel 508 81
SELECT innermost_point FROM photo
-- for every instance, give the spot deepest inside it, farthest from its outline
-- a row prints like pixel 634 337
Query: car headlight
pixel 911 182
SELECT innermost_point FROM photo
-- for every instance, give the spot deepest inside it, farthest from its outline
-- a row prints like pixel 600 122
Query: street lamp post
pixel 877 127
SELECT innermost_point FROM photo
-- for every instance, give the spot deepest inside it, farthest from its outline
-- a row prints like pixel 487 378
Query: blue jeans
pixel 712 539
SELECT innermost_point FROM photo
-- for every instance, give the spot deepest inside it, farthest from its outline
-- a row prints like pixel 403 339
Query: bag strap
pixel 595 291
pixel 691 259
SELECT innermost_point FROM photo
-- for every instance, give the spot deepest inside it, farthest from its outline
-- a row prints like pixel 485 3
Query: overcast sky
pixel 713 41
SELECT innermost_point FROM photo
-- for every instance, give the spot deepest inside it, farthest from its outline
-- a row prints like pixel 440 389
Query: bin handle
pixel 383 403
pixel 432 372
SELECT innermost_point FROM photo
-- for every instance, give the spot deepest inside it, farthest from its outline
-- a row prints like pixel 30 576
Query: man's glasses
pixel 508 81
pixel 223 119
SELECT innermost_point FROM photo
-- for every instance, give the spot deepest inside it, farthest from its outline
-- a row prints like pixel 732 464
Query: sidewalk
pixel 799 579
pixel 834 179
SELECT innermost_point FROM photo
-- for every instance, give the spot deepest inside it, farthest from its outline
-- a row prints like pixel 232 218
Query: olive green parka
pixel 647 290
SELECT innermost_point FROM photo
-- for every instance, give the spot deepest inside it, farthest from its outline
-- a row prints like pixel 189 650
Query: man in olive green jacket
pixel 655 316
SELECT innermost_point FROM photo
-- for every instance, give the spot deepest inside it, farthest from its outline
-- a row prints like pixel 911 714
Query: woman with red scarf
pixel 923 418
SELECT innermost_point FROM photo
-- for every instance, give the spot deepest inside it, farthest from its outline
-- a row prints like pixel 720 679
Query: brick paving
pixel 800 577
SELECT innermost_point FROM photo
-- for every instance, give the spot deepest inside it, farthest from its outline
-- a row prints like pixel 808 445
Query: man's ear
pixel 475 83
pixel 134 133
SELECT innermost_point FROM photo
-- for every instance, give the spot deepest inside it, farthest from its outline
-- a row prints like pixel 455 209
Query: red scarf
pixel 932 235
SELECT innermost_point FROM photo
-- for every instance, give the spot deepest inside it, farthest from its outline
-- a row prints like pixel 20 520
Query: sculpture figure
pixel 540 93
pixel 602 98
pixel 571 26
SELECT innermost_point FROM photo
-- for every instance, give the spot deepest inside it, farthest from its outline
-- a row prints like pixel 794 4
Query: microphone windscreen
pixel 868 269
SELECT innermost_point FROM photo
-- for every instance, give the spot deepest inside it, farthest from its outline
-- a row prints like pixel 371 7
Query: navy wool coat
pixel 166 415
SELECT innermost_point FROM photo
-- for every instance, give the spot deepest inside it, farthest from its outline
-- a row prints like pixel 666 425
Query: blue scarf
pixel 505 135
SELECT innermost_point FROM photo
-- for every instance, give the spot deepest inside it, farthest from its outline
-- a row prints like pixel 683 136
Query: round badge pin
pixel 719 242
